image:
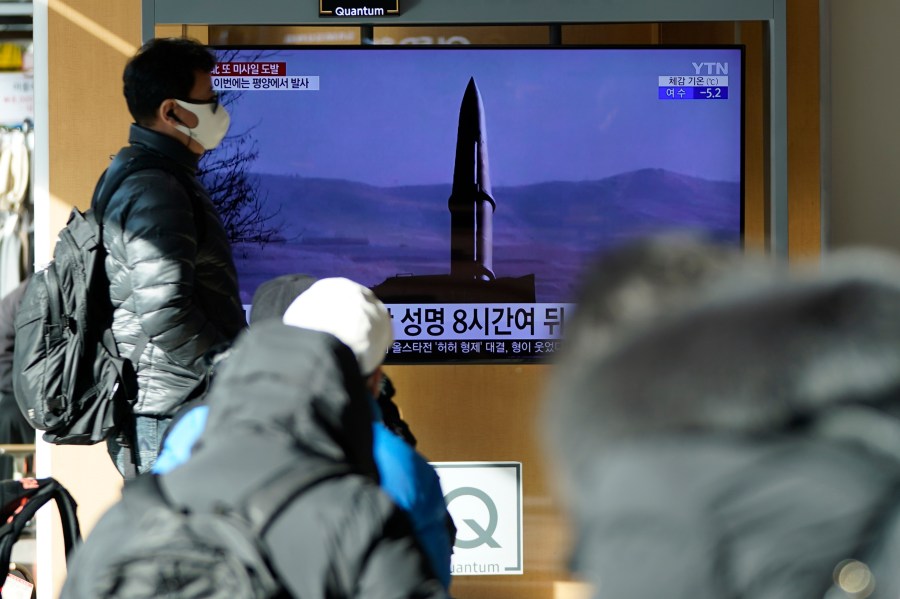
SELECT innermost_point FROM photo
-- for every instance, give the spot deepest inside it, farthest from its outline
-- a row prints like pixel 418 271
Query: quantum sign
pixel 485 501
pixel 359 8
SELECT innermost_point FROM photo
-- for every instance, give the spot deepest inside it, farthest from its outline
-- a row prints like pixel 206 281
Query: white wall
pixel 864 122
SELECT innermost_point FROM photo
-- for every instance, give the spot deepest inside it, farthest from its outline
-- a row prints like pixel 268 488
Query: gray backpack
pixel 183 553
pixel 68 376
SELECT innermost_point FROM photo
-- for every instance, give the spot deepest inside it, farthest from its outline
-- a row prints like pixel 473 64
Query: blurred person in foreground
pixel 356 317
pixel 742 441
pixel 343 537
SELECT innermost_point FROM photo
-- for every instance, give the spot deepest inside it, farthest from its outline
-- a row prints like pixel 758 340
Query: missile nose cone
pixel 472 134
pixel 471 87
pixel 471 114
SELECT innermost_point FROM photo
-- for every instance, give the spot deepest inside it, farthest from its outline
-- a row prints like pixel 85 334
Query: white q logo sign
pixel 484 535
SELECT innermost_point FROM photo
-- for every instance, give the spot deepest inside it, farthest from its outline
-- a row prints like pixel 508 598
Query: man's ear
pixel 166 113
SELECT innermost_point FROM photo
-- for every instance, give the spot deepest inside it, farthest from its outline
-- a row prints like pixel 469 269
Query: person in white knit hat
pixel 353 314
pixel 358 319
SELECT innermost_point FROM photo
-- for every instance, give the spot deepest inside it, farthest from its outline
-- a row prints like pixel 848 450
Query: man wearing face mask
pixel 173 282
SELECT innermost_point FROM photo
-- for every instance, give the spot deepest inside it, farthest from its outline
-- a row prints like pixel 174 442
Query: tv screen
pixel 469 186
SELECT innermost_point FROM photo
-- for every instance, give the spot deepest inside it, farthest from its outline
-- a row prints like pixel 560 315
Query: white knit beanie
pixel 350 312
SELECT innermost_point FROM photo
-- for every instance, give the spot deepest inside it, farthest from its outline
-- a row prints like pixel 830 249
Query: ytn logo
pixel 712 68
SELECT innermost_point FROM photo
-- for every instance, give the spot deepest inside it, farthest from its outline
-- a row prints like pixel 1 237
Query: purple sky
pixel 388 116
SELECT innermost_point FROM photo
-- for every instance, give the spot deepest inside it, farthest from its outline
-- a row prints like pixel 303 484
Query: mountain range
pixel 550 229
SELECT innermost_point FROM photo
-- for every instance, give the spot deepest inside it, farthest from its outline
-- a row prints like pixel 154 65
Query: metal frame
pixel 521 12
pixel 16 9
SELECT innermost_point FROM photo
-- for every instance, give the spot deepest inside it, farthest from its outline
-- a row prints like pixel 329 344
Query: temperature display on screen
pixel 693 93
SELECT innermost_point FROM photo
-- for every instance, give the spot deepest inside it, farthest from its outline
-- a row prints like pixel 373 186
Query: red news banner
pixel 262 75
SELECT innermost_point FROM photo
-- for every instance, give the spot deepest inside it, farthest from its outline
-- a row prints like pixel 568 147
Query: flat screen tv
pixel 469 186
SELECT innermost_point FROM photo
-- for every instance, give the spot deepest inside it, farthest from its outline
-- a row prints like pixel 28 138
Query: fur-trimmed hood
pixel 757 361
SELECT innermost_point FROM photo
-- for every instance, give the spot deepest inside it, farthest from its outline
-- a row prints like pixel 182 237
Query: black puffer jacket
pixel 743 449
pixel 164 285
pixel 288 396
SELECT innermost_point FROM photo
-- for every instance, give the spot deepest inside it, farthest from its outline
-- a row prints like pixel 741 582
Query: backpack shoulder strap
pixel 259 506
pixel 264 504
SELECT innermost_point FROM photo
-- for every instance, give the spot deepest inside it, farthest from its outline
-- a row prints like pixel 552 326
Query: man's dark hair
pixel 163 68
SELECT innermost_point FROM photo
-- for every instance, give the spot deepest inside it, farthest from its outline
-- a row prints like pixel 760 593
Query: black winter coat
pixel 171 272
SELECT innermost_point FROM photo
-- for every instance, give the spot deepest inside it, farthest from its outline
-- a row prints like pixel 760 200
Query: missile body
pixel 471 201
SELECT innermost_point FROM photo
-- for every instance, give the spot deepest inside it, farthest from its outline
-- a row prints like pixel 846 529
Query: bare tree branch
pixel 234 191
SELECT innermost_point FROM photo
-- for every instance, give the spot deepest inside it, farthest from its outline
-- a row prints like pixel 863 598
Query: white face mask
pixel 212 123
